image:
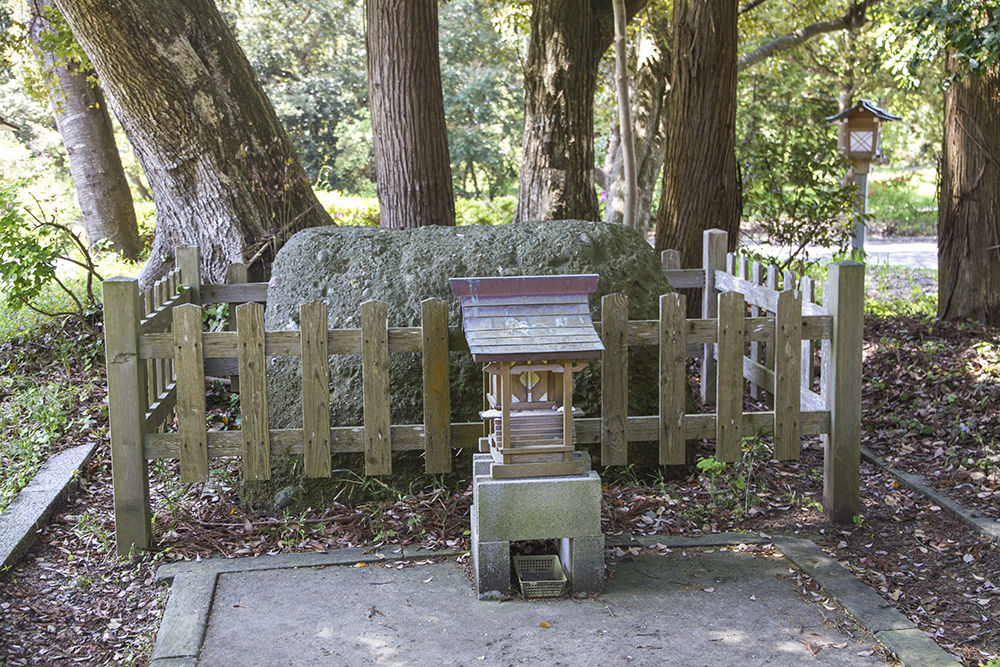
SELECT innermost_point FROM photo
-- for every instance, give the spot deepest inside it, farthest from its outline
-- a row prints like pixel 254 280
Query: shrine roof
pixel 529 318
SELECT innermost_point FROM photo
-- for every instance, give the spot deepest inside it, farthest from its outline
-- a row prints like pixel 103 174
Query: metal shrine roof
pixel 529 318
pixel 864 105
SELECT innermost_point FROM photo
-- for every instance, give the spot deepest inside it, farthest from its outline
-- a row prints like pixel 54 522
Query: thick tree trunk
pixel 222 170
pixel 700 185
pixel 82 119
pixel 969 205
pixel 407 111
pixel 650 115
pixel 568 39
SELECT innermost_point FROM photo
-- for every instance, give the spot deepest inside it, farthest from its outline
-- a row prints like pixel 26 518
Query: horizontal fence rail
pixel 751 337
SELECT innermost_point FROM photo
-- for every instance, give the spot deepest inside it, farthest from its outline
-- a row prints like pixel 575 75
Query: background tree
pixel 568 40
pixel 222 170
pixel 407 111
pixel 700 185
pixel 969 204
pixel 84 123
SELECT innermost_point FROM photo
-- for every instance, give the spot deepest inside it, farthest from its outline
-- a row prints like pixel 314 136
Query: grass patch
pixel 31 420
pixel 903 202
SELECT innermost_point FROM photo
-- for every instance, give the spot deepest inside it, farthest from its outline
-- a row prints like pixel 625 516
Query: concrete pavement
pixel 669 601
pixel 916 253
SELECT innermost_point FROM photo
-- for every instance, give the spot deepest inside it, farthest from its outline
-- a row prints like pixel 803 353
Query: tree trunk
pixel 568 39
pixel 223 173
pixel 969 205
pixel 650 116
pixel 700 184
pixel 82 119
pixel 624 117
pixel 407 111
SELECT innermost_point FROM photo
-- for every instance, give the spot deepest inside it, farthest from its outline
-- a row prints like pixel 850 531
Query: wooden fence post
pixel 375 387
pixel 844 297
pixel 729 410
pixel 614 380
pixel 788 375
pixel 189 357
pixel 437 391
pixel 235 274
pixel 673 378
pixel 313 343
pixel 253 394
pixel 187 259
pixel 127 393
pixel 714 243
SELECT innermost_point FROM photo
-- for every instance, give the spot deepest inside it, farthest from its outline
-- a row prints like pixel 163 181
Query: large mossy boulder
pixel 345 266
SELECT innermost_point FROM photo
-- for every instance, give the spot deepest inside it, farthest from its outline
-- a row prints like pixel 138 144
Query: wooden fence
pixel 158 357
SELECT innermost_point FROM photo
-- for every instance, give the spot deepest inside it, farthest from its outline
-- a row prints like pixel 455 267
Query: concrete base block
pixel 565 508
pixel 491 563
pixel 582 559
pixel 537 508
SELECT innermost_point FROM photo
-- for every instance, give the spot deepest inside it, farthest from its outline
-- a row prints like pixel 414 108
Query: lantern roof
pixel 528 318
pixel 861 107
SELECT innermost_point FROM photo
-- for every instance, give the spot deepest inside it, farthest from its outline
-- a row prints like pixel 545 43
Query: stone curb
pixel 35 503
pixel 986 527
pixel 890 627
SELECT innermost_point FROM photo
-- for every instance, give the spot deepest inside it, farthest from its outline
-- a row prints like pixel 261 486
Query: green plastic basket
pixel 540 576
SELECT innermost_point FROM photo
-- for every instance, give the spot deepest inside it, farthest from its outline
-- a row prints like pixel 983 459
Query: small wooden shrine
pixel 531 333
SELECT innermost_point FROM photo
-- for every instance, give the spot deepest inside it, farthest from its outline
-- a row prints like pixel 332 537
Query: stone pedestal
pixel 566 508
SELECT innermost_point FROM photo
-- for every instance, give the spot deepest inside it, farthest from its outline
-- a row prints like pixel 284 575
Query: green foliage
pixel 883 299
pixel 969 30
pixel 480 212
pixel 29 254
pixel 348 210
pixel 791 180
pixel 31 419
pixel 482 85
pixel 903 204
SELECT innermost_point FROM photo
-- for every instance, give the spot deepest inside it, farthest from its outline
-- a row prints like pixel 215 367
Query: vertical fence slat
pixel 844 298
pixel 126 394
pixel 375 379
pixel 729 409
pixel 148 306
pixel 253 392
pixel 770 353
pixel 437 390
pixel 787 376
pixel 756 349
pixel 164 367
pixel 614 380
pixel 189 356
pixel 187 259
pixel 808 288
pixel 235 274
pixel 713 258
pixel 315 389
pixel 673 378
pixel 670 260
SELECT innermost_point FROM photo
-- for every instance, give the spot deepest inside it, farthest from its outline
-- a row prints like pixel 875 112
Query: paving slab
pixel 693 604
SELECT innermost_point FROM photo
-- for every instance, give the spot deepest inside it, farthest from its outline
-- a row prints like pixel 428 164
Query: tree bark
pixel 223 173
pixel 568 39
pixel 650 117
pixel 84 124
pixel 624 117
pixel 407 111
pixel 700 185
pixel 969 204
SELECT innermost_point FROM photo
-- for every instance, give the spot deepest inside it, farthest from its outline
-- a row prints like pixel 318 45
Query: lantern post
pixel 862 143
